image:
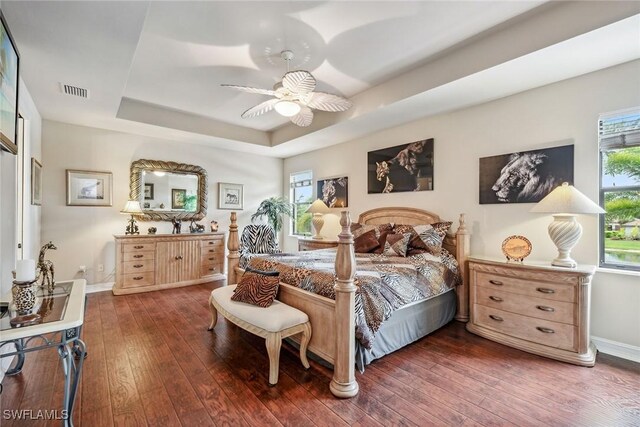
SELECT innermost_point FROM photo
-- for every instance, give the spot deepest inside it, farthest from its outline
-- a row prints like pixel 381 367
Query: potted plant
pixel 274 209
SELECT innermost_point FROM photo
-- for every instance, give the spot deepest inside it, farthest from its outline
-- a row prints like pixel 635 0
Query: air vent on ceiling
pixel 74 90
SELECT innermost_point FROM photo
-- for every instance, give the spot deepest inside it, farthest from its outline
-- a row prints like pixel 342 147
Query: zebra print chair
pixel 257 239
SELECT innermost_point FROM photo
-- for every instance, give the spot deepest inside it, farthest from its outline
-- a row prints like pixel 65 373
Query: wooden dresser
pixel 533 307
pixel 161 261
pixel 308 244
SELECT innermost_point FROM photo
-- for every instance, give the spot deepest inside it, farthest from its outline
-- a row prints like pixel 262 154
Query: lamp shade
pixel 318 207
pixel 131 207
pixel 567 199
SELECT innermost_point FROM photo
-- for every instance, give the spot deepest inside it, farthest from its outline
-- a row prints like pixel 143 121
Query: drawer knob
pixel 212 269
pixel 545 330
pixel 178 257
pixel 211 259
pixel 212 243
pixel 496 282
pixel 546 290
pixel 496 299
pixel 138 278
pixel 545 308
pixel 138 266
pixel 138 256
pixel 496 318
pixel 138 247
pixel 211 250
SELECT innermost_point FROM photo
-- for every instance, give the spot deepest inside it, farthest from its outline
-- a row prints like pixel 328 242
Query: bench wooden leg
pixel 214 314
pixel 304 342
pixel 274 341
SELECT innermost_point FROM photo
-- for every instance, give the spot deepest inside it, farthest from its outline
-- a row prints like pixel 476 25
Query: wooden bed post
pixel 233 244
pixel 344 382
pixel 462 253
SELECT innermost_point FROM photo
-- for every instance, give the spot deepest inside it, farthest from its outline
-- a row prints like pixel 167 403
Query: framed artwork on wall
pixel 148 191
pixel 178 198
pixel 89 188
pixel 334 192
pixel 9 71
pixel 526 176
pixel 230 196
pixel 407 167
pixel 36 182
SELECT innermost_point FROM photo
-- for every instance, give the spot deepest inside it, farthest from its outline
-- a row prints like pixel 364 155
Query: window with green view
pixel 301 195
pixel 619 136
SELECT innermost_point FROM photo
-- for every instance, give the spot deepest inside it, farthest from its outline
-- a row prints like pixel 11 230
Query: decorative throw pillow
pixel 425 237
pixel 396 244
pixel 366 242
pixel 257 287
pixel 361 240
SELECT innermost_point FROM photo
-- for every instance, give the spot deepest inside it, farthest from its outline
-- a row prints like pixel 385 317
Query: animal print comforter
pixel 384 283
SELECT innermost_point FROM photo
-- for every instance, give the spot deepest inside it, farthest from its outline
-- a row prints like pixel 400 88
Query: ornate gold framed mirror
pixel 168 190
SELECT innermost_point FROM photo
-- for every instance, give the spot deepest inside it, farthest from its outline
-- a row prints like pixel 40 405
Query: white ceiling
pixel 155 68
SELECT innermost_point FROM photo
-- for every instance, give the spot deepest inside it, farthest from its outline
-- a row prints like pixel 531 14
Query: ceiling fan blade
pixel 251 89
pixel 259 109
pixel 303 118
pixel 328 102
pixel 299 81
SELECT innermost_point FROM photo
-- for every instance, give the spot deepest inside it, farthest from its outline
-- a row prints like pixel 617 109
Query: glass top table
pixel 61 317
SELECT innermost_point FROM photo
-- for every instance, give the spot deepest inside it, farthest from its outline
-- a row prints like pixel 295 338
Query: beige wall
pixel 84 235
pixel 557 114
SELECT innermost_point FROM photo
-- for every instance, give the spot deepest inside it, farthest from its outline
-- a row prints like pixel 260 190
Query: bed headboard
pixel 411 216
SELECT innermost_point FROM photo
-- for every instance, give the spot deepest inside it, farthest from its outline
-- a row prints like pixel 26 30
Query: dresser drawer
pixel 550 334
pixel 212 258
pixel 135 280
pixel 208 270
pixel 131 267
pixel 138 256
pixel 137 247
pixel 553 291
pixel 212 250
pixel 212 243
pixel 555 311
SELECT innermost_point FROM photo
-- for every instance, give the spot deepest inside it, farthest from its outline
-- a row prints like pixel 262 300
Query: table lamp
pixel 564 203
pixel 318 209
pixel 132 207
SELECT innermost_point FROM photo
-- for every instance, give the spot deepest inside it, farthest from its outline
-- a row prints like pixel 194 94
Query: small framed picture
pixel 9 78
pixel 148 191
pixel 178 198
pixel 36 182
pixel 89 188
pixel 230 196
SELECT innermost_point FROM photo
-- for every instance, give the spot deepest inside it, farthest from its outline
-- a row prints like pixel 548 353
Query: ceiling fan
pixel 294 97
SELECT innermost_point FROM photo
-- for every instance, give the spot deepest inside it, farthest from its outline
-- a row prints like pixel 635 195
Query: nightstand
pixel 533 307
pixel 308 244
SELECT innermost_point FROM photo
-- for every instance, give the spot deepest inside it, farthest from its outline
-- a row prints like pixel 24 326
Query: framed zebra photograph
pixel 407 167
pixel 334 192
pixel 525 176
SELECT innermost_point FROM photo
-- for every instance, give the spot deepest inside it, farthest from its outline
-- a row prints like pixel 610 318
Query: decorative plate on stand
pixel 516 248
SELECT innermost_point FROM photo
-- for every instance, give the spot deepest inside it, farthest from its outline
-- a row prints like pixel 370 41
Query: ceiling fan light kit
pixel 294 97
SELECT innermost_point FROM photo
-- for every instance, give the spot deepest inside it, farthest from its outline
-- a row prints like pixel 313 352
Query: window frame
pixel 292 223
pixel 601 194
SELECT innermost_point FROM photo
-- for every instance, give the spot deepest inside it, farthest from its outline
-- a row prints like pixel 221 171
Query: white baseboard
pixel 618 349
pixel 99 287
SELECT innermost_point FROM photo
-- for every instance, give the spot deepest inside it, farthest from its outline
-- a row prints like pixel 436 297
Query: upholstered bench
pixel 273 323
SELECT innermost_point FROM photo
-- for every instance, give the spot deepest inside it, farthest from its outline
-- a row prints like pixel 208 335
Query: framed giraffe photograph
pixel 407 167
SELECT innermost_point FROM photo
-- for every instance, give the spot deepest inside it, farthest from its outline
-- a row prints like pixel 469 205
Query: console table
pixel 62 315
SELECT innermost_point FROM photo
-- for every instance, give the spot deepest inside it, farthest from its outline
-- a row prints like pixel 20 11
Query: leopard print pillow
pixel 257 288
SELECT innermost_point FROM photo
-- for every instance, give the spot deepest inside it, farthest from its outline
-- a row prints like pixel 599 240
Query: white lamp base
pixel 318 222
pixel 565 232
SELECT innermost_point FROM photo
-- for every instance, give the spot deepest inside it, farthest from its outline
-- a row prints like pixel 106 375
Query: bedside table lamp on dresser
pixel 533 307
pixel 318 209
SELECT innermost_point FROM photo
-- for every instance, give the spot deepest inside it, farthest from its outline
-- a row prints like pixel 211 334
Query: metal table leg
pixel 72 370
pixel 20 356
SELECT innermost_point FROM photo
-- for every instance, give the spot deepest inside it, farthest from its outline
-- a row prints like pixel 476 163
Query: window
pixel 301 195
pixel 619 137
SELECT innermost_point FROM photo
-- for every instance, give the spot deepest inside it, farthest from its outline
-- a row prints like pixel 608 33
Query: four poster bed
pixel 334 321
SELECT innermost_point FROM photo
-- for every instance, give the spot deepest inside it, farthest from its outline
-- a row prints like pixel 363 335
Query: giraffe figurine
pixel 45 269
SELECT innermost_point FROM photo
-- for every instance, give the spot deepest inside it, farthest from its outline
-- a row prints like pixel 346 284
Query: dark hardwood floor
pixel 152 362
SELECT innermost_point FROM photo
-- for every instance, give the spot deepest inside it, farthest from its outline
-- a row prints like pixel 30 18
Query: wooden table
pixel 309 244
pixel 62 318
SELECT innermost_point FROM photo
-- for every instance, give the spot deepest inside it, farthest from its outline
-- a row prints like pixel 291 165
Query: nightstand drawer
pixel 131 267
pixel 555 311
pixel 528 286
pixel 550 334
